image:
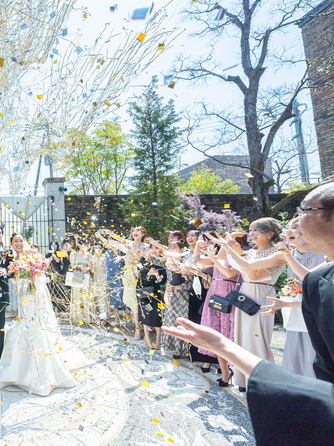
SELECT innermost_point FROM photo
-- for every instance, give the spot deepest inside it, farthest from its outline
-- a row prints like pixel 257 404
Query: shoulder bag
pixel 220 303
pixel 245 303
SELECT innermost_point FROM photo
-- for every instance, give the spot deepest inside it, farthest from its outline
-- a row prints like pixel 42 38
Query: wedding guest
pixel 177 297
pixel 114 270
pixel 316 222
pixel 299 355
pixel 260 271
pixel 12 289
pixel 99 286
pixel 130 269
pixel 272 390
pixel 225 280
pixel 81 307
pixel 67 247
pixel 5 259
pixel 53 274
pixel 151 277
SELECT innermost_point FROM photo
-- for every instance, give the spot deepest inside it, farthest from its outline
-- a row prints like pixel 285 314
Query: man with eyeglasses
pixel 316 223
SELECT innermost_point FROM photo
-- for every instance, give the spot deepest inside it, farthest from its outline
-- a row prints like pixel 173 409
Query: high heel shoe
pixel 222 383
pixel 205 369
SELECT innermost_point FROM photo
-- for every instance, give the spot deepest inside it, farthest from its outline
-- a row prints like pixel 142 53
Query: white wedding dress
pixel 36 356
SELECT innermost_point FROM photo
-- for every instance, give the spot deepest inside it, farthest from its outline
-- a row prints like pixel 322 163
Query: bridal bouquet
pixel 29 266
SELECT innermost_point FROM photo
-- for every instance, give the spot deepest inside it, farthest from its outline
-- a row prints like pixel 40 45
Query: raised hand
pixel 195 334
pixel 234 245
pixel 276 305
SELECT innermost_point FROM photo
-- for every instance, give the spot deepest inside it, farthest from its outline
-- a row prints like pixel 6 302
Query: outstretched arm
pixel 208 339
pixel 297 268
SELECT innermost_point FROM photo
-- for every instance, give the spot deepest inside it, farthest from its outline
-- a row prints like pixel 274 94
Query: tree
pixel 205 181
pixel 102 162
pixel 262 111
pixel 153 200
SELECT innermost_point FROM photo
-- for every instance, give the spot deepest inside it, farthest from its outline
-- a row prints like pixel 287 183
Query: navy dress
pixel 114 280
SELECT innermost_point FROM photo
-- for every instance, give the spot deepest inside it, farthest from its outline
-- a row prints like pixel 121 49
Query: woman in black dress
pixel 150 300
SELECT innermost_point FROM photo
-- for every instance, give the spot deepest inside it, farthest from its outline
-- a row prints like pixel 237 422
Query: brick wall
pixel 104 211
pixel 317 31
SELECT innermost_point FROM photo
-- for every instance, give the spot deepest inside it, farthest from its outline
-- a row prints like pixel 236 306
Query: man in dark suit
pixel 316 224
pixel 5 259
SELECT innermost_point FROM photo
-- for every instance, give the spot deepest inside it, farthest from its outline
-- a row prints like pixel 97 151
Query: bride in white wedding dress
pixel 36 356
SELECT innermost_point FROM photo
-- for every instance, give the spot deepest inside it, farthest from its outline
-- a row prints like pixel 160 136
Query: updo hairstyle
pixel 266 226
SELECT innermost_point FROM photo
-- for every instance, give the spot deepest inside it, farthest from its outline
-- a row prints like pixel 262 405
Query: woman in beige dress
pixel 82 305
pixel 260 271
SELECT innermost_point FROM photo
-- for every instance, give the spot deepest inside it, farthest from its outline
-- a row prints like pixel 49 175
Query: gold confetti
pixel 79 405
pixel 39 96
pixel 161 46
pixel 249 175
pixel 159 434
pixel 22 351
pixel 60 349
pixel 141 37
pixel 145 383
pixel 170 440
pixel 151 352
pixel 80 322
pixel 227 206
pixel 25 302
pixel 156 420
pixel 176 363
pixel 161 306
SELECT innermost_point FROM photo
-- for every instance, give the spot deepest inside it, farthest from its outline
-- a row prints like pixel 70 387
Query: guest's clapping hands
pixel 276 305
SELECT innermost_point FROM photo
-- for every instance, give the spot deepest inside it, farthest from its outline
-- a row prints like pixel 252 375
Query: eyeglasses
pixel 301 210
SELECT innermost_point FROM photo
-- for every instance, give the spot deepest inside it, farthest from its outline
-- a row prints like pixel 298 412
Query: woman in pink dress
pixel 225 280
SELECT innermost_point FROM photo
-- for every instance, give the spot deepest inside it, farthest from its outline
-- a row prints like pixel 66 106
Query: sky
pixel 184 94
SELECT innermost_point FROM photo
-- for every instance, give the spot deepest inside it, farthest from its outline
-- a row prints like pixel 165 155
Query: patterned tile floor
pixel 127 397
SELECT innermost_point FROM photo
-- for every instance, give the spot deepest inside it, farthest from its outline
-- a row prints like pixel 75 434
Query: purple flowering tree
pixel 226 221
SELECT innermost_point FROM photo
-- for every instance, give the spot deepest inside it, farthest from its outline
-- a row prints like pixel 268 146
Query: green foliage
pixel 205 181
pixel 160 216
pixel 29 232
pixel 283 219
pixel 153 201
pixel 101 163
pixel 293 186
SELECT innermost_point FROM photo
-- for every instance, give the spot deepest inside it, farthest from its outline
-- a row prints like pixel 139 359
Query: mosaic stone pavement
pixel 132 398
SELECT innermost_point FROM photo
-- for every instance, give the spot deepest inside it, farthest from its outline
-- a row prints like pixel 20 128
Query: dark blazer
pixel 288 409
pixel 6 257
pixel 318 312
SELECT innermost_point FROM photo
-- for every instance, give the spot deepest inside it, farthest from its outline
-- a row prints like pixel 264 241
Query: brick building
pixel 234 173
pixel 317 30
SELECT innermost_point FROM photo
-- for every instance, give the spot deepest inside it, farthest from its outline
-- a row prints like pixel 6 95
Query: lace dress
pixel 36 356
pixel 254 333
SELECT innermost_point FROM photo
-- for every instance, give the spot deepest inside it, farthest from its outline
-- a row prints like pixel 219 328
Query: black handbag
pixel 220 304
pixel 144 293
pixel 244 303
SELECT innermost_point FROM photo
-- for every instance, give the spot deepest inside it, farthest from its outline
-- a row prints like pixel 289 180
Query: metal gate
pixel 19 214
